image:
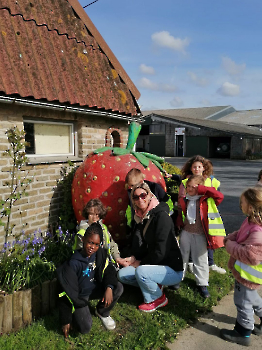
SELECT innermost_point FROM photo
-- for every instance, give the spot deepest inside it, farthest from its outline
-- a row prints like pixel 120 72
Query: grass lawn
pixel 135 330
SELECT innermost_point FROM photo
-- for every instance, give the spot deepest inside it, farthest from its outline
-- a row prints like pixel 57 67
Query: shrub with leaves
pixel 172 185
pixel 32 259
pixel 19 180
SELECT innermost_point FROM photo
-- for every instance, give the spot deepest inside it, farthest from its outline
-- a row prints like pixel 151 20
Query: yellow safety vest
pixel 128 215
pixel 215 223
pixel 248 272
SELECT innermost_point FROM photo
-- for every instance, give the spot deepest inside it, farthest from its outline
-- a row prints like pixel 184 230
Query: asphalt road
pixel 235 176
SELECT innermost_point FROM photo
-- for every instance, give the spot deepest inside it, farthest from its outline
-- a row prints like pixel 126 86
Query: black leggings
pixel 82 317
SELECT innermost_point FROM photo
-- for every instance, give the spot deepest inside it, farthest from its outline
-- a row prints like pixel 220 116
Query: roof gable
pixel 47 53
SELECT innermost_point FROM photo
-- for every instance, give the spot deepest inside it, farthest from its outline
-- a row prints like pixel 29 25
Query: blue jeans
pixel 147 278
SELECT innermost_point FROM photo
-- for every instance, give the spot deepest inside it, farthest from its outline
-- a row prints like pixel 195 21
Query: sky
pixel 187 53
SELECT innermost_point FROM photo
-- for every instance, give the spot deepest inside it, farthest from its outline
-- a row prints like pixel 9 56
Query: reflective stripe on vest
pixel 215 223
pixel 248 272
pixel 106 264
pixel 128 215
pixel 64 293
pixel 107 239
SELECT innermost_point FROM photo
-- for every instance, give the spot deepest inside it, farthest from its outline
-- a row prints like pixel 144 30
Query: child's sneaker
pixel 150 307
pixel 204 291
pixel 258 329
pixel 108 322
pixel 234 337
pixel 217 269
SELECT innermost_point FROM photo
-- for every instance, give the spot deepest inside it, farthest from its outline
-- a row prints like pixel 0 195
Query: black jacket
pixel 159 244
pixel 69 280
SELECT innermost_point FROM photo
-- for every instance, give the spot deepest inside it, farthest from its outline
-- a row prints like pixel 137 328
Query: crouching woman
pixel 156 259
pixel 88 275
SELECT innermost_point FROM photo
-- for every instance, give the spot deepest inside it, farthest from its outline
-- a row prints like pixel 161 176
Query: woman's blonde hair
pixel 253 197
pixel 142 185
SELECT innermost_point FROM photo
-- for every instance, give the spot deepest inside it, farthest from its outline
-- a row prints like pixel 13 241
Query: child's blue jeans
pixel 147 277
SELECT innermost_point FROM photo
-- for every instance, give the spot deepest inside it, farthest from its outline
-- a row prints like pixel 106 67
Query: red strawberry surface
pixel 102 176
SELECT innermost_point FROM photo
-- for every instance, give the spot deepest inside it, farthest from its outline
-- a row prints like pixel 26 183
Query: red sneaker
pixel 150 307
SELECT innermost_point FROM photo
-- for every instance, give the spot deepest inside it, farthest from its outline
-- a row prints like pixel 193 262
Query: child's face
pixel 93 215
pixel 191 188
pixel 91 244
pixel 133 181
pixel 197 168
pixel 245 206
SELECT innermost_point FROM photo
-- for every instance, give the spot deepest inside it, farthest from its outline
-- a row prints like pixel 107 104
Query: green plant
pixel 32 259
pixel 19 180
pixel 172 185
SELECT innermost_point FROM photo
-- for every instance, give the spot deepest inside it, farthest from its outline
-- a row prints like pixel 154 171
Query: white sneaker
pixel 190 267
pixel 108 322
pixel 217 269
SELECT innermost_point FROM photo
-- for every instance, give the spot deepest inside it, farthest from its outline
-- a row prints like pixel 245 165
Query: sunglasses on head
pixel 141 195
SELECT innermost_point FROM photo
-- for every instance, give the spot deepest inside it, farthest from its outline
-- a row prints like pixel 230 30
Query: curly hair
pixel 253 197
pixel 208 166
pixel 99 207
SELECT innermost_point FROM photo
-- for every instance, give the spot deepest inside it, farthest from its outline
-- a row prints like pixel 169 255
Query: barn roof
pixel 51 51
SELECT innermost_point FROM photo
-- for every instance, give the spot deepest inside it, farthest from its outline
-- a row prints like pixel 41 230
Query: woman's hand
pixel 108 297
pixel 126 261
pixel 66 329
pixel 136 263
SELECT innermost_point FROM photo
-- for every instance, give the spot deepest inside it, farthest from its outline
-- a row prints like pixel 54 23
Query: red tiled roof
pixel 47 52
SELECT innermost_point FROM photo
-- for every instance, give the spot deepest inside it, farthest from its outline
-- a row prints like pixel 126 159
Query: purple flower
pixel 27 258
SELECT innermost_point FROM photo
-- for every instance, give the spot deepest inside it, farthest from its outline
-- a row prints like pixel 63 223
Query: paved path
pixel 235 176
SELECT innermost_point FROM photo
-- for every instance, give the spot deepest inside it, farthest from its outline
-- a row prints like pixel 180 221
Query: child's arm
pixel 232 237
pixel 211 192
pixel 247 254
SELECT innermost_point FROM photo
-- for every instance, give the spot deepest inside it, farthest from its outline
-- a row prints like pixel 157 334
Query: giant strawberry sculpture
pixel 102 175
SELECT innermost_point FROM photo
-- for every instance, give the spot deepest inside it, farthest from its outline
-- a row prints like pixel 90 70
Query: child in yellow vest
pixel 199 165
pixel 245 249
pixel 94 211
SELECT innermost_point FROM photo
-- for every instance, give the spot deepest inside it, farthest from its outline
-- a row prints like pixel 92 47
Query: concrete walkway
pixel 204 334
pixel 235 177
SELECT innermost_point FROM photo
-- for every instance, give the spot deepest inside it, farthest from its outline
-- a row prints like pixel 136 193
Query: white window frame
pixel 54 157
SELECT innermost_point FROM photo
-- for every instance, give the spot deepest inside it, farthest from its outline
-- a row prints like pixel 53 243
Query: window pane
pixel 52 138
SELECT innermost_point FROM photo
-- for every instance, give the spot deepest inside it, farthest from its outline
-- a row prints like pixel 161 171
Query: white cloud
pixel 164 39
pixel 231 67
pixel 176 102
pixel 228 89
pixel 205 102
pixel 150 85
pixel 146 69
pixel 197 80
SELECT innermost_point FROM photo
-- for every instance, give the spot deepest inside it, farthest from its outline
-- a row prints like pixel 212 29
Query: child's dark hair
pixel 94 229
pixel 253 197
pixel 134 173
pixel 259 175
pixel 94 203
pixel 208 167
pixel 199 179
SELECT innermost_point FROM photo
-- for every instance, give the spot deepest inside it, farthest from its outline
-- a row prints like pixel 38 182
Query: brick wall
pixel 41 207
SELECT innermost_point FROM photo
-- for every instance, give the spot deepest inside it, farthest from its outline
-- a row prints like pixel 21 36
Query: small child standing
pixel 195 236
pixel 198 165
pixel 94 211
pixel 245 249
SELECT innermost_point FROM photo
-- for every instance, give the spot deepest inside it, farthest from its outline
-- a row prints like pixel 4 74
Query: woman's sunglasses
pixel 141 195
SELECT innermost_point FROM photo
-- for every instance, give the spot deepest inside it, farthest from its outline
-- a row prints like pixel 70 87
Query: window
pixel 47 138
pixel 157 129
